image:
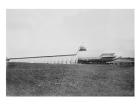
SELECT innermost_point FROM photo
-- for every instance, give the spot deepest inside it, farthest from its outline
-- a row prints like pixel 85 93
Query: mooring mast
pixel 80 48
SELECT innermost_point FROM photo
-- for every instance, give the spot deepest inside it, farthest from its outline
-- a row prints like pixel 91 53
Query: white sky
pixel 51 32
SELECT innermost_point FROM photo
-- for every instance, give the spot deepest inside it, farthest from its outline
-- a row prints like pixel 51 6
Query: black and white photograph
pixel 70 52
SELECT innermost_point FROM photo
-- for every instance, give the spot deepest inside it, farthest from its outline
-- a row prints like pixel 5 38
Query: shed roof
pixel 107 55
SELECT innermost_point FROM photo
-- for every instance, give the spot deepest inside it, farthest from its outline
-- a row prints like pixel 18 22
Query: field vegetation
pixel 26 79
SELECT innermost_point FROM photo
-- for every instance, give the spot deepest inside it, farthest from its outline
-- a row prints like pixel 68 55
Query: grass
pixel 25 79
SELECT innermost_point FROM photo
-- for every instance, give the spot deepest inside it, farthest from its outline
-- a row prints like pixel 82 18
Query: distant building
pixel 107 57
pixel 123 61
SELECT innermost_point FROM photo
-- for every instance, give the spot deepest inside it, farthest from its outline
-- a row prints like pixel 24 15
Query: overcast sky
pixel 51 32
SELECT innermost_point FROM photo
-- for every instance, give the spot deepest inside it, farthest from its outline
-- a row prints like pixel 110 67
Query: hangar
pixel 54 59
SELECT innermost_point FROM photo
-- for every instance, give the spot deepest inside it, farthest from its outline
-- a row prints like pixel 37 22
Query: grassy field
pixel 25 79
